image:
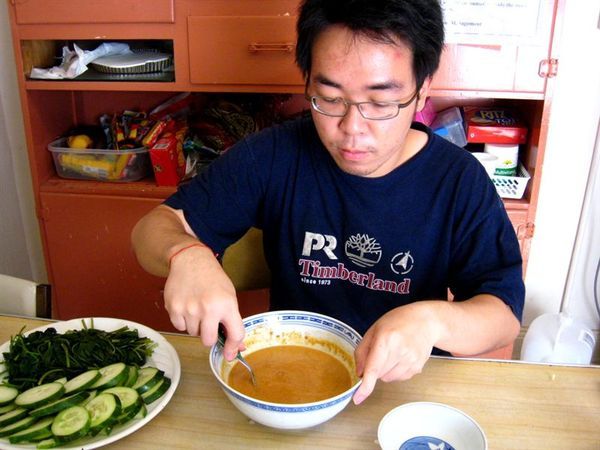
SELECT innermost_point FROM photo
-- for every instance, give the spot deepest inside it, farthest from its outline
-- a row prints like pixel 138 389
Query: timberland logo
pixel 312 272
pixel 363 250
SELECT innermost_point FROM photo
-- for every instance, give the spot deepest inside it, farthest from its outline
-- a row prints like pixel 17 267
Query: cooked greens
pixel 44 356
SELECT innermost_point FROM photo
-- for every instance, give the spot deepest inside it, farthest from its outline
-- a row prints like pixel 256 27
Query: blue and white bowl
pixel 291 327
pixel 429 425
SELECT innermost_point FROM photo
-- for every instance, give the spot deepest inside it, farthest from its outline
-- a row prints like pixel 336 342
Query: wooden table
pixel 518 405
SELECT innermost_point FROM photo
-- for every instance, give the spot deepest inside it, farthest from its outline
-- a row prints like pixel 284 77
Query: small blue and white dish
pixel 429 426
pixel 291 327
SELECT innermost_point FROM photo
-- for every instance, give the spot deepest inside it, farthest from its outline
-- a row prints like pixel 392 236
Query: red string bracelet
pixel 182 249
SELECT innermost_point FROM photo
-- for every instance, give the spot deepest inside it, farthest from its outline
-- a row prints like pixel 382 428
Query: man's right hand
pixel 199 295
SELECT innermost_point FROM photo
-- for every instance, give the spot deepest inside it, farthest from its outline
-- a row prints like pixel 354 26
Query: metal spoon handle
pixel 241 359
pixel 221 339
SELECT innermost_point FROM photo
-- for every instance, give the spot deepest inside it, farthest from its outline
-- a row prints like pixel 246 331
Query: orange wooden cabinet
pixel 218 46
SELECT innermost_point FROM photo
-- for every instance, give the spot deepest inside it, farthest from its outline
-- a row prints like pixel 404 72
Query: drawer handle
pixel 287 47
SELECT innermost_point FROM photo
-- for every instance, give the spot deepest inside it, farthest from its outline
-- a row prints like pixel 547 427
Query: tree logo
pixel 363 250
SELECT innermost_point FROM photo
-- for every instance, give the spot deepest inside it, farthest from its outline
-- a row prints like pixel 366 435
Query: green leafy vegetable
pixel 45 356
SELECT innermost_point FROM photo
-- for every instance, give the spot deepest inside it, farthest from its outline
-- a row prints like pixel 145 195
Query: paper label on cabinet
pixel 491 22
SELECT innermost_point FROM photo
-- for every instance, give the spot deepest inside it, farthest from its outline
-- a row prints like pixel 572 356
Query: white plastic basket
pixel 512 187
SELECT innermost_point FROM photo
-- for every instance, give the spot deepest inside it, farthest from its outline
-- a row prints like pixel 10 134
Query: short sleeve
pixel 222 202
pixel 486 257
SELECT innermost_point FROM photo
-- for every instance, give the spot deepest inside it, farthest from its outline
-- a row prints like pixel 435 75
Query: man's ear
pixel 423 94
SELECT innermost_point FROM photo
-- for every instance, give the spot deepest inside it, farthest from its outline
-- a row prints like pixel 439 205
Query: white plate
pixel 164 357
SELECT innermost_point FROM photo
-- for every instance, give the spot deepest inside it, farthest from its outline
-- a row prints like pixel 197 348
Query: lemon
pixel 79 141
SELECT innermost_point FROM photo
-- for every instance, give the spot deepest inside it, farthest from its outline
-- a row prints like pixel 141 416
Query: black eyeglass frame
pixel 400 105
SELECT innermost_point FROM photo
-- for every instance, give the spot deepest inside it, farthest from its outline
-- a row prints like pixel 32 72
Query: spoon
pixel 239 357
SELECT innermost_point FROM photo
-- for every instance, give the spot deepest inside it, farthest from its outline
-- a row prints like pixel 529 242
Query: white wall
pixel 14 259
pixel 573 126
pixel 582 293
pixel 20 244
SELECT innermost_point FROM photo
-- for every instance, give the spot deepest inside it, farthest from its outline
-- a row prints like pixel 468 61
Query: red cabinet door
pixel 91 265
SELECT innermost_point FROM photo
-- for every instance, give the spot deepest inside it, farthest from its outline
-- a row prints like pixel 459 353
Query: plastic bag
pixel 74 62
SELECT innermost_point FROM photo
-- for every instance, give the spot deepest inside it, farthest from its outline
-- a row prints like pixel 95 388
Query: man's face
pixel 358 69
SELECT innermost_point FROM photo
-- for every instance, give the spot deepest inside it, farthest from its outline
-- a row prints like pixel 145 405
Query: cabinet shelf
pixel 516 204
pixel 172 85
pixel 165 76
pixel 71 85
pixel 145 188
pixel 138 86
pixel 480 94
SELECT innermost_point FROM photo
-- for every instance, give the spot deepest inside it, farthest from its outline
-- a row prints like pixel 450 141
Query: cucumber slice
pixel 133 412
pixel 47 443
pixel 91 395
pixel 62 380
pixel 129 397
pixel 132 376
pixel 59 405
pixel 156 391
pixel 148 377
pixel 71 423
pixel 15 427
pixel 113 375
pixel 104 411
pixel 7 394
pixel 12 416
pixel 40 395
pixel 82 381
pixel 143 412
pixel 36 432
pixel 6 408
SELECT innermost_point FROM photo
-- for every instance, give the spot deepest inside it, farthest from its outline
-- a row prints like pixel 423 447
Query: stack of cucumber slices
pixel 93 402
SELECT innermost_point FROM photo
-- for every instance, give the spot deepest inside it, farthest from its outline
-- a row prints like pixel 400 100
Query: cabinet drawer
pixel 243 50
pixel 94 11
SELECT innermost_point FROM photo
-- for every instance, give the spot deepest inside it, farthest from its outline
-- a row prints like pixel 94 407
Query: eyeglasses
pixel 338 107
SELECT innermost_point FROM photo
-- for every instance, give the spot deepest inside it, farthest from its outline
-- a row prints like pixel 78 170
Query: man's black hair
pixel 417 23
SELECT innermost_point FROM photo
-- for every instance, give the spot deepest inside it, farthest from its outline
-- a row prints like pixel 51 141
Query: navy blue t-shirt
pixel 354 247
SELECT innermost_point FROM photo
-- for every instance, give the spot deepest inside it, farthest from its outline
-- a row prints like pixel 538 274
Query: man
pixel 366 216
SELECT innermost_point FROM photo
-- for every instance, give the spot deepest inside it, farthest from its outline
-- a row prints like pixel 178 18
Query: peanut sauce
pixel 291 374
